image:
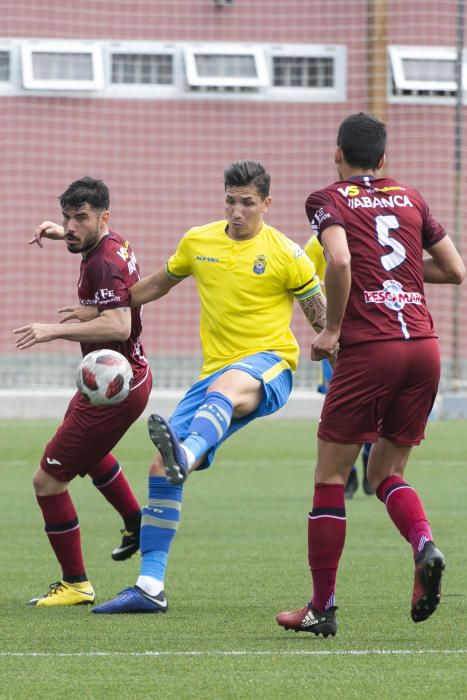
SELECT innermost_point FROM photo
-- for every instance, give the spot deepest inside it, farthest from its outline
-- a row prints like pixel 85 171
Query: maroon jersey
pixel 106 275
pixel 387 226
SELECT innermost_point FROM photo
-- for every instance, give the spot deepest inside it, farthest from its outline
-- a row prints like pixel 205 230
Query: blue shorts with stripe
pixel 272 371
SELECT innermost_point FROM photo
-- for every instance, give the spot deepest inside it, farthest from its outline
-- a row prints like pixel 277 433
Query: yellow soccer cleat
pixel 63 593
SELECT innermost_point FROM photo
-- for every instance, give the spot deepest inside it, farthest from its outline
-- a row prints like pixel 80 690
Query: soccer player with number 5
pixel 374 231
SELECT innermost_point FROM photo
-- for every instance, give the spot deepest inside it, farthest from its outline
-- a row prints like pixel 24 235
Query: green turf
pixel 240 556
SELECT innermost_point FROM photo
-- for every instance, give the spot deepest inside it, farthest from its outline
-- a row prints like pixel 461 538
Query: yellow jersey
pixel 315 252
pixel 246 290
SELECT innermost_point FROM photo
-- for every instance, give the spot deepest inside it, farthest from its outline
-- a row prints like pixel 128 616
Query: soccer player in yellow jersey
pixel 248 275
pixel 315 252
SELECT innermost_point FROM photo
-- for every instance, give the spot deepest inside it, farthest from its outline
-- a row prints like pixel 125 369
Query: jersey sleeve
pixel 302 279
pixel 315 252
pixel 432 231
pixel 179 265
pixel 108 284
pixel 322 212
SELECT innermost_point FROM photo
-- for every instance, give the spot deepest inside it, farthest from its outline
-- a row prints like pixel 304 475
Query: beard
pixel 75 246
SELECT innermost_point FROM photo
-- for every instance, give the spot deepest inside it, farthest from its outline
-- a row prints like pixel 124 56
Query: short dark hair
pixel 362 139
pixel 248 172
pixel 86 190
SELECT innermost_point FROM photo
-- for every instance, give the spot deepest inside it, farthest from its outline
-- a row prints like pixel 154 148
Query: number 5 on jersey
pixel 384 224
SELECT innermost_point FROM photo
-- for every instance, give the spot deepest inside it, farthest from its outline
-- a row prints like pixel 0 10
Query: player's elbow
pixel 122 336
pixel 339 261
pixel 122 331
pixel 458 273
pixel 454 273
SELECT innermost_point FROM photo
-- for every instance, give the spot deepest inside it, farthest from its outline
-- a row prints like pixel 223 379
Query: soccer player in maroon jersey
pixel 374 231
pixel 83 442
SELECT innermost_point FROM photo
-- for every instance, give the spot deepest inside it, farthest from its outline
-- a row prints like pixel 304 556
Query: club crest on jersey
pixel 393 296
pixel 260 265
pixel 123 251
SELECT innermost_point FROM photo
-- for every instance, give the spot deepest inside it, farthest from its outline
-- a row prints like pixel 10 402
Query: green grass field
pixel 240 556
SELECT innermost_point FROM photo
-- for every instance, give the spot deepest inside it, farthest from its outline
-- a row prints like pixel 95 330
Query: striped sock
pixel 158 527
pixel 108 477
pixel 209 424
pixel 326 538
pixel 62 529
pixel 406 511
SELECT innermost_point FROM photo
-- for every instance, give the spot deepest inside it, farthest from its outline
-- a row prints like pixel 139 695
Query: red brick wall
pixel 164 159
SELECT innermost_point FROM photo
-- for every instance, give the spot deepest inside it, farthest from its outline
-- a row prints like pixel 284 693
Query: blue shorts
pixel 272 371
pixel 325 376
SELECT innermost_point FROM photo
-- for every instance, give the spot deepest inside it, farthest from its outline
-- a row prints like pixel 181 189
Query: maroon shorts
pixel 382 389
pixel 88 433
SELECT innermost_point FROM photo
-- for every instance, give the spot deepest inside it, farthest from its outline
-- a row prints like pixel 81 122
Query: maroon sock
pixel 108 477
pixel 62 528
pixel 405 510
pixel 326 537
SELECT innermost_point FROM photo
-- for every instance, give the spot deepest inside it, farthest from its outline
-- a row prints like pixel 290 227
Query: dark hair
pixel 86 190
pixel 362 139
pixel 248 172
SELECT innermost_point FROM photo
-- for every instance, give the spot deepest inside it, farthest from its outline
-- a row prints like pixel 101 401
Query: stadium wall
pixel 52 403
pixel 163 159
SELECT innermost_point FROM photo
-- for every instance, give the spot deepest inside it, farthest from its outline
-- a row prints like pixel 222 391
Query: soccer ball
pixel 103 377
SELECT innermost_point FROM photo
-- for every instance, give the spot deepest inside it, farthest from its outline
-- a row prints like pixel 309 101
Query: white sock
pixel 190 458
pixel 151 586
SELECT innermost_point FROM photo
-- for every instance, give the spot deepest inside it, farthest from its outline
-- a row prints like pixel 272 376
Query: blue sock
pixel 366 453
pixel 159 525
pixel 209 424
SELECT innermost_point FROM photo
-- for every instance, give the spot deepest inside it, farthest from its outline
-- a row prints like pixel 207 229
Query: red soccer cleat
pixel 309 620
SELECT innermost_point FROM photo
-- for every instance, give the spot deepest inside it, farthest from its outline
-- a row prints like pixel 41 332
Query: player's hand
pixel 325 346
pixel 32 334
pixel 47 229
pixel 79 312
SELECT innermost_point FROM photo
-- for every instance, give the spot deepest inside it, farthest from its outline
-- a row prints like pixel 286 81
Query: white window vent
pixel 225 67
pixel 423 72
pixel 65 65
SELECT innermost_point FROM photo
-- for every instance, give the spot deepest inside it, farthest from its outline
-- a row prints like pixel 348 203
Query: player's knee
pixel 376 477
pixel 374 480
pixel 245 407
pixel 38 481
pixel 46 485
pixel 220 384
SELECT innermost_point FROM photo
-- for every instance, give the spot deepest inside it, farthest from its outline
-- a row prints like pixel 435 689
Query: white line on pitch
pixel 241 652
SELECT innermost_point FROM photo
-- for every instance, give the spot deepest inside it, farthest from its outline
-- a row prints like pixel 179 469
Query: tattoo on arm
pixel 314 309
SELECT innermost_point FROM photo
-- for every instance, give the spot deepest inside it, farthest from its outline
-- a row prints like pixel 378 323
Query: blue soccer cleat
pixel 133 600
pixel 168 444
